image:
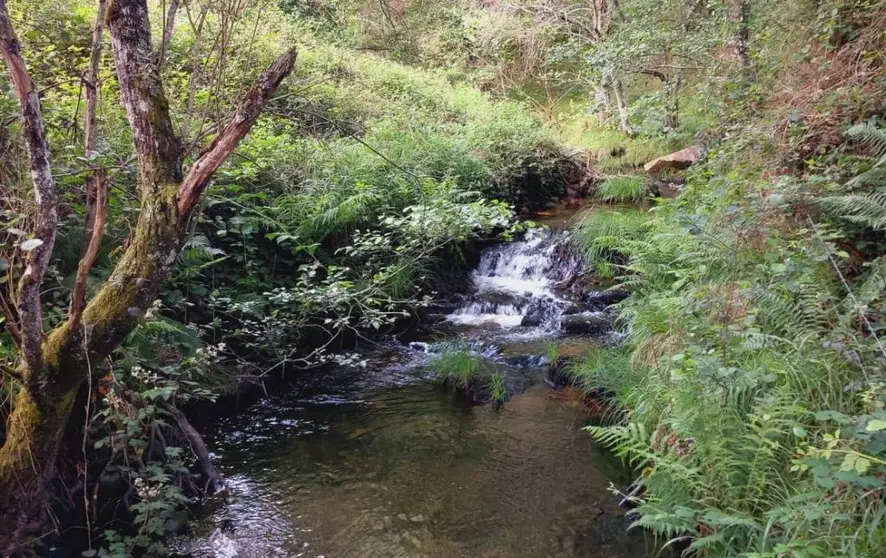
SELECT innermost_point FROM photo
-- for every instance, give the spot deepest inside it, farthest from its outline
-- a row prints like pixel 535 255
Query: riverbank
pixel 749 391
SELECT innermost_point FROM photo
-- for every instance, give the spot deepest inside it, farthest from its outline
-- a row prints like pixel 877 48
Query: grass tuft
pixel 497 390
pixel 622 189
pixel 458 367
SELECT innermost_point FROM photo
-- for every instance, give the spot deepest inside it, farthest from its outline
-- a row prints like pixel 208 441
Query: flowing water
pixel 382 462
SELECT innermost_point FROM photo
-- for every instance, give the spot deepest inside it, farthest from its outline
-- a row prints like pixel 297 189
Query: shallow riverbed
pixel 410 472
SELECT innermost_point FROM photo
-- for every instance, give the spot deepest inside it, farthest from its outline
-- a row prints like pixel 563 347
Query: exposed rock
pixel 572 309
pixel 587 323
pixel 539 312
pixel 676 161
pixel 525 361
pixel 558 372
pixel 531 320
pixel 667 188
pixel 599 300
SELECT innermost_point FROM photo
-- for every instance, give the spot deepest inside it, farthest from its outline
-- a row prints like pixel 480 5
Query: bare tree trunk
pixel 55 366
pixel 167 30
pixel 29 309
pixel 621 104
pixel 740 15
pixel 27 462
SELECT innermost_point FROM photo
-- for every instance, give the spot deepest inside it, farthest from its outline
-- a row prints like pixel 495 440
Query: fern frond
pixel 868 210
pixel 870 135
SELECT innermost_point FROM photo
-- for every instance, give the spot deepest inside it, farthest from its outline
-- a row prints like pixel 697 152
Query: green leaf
pixel 799 432
pixel 825 482
pixel 876 425
pixel 31 244
pixel 862 465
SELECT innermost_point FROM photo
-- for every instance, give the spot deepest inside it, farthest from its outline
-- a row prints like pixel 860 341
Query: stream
pixel 380 461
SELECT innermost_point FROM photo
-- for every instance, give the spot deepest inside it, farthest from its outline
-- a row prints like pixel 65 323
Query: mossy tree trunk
pixel 55 365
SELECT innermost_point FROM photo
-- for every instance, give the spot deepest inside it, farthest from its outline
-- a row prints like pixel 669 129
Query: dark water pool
pixel 407 471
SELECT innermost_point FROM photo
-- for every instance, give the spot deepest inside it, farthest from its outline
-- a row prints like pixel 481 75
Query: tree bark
pixel 621 105
pixel 97 181
pixel 740 14
pixel 29 309
pixel 64 358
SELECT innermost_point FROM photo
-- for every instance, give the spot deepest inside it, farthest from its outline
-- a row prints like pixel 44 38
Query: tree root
pixel 212 480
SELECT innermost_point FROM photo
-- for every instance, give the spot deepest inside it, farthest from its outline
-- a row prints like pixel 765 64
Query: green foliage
pixel 748 394
pixel 552 353
pixel 601 232
pixel 134 435
pixel 621 189
pixel 381 275
pixel 497 390
pixel 459 367
pixel 865 209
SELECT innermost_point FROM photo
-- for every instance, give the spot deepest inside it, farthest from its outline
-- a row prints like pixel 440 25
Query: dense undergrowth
pixel 750 391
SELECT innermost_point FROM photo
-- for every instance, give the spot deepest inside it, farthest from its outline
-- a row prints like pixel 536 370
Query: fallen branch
pixel 212 480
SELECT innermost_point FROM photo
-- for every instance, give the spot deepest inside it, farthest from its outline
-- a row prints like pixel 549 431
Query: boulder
pixel 667 188
pixel 676 161
pixel 573 308
pixel 539 312
pixel 598 300
pixel 586 323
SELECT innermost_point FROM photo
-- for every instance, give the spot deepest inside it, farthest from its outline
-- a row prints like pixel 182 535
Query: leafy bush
pixel 602 232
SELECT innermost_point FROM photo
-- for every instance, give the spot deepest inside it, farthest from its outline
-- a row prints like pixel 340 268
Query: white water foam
pixel 514 278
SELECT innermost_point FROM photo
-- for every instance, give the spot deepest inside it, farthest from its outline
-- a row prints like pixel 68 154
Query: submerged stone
pixel 586 323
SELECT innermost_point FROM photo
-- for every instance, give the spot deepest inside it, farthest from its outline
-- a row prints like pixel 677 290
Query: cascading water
pixel 523 284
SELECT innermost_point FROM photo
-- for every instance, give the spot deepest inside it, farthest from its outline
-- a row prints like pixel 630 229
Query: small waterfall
pixel 523 283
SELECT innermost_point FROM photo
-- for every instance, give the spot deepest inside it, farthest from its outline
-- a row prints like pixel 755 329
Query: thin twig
pixel 83 446
pixel 11 372
pixel 849 293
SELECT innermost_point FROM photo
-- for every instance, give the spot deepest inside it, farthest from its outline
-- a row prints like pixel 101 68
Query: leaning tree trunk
pixel 41 410
pixel 56 365
pixel 27 463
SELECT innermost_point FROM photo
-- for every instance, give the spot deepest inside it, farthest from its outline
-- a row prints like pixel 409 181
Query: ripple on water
pixel 407 473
